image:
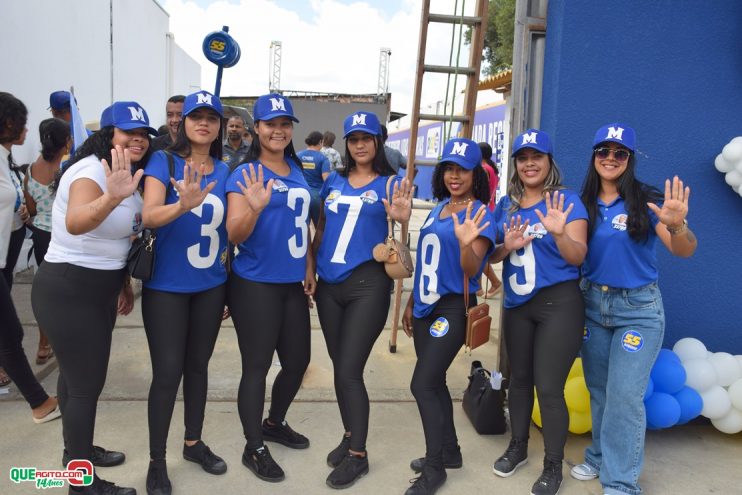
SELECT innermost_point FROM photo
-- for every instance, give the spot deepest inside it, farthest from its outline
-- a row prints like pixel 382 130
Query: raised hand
pixel 467 231
pixel 515 234
pixel 675 208
pixel 120 183
pixel 401 206
pixel 189 189
pixel 258 195
pixel 556 216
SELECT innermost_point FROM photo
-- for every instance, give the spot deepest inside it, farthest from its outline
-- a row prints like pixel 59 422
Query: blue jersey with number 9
pixel 190 251
pixel 276 251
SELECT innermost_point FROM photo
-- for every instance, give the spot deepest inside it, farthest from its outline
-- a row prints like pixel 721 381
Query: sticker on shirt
pixel 619 222
pixel 585 334
pixel 280 186
pixel 223 257
pixel 632 341
pixel 369 197
pixel 226 158
pixel 439 328
pixel 536 230
pixel 136 226
pixel 334 194
pixel 308 165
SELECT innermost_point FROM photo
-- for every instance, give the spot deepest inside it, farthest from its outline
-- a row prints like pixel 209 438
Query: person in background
pixel 173 116
pixel 316 168
pixel 59 104
pixel 394 157
pixel 234 148
pixel 625 319
pixel 336 162
pixel 494 180
pixel 13 116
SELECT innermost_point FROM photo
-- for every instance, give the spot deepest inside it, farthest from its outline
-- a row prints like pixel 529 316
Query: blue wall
pixel 672 69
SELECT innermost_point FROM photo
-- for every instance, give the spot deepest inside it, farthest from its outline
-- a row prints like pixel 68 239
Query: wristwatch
pixel 680 229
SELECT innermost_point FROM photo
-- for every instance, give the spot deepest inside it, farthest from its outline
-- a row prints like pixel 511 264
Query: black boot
pixel 550 480
pixel 514 457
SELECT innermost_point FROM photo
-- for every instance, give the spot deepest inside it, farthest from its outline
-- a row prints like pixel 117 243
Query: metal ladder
pixel 478 26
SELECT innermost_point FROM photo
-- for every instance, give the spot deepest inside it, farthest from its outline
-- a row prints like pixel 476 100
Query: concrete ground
pixel 691 459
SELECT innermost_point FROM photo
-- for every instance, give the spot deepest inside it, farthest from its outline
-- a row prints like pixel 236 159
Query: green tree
pixel 498 39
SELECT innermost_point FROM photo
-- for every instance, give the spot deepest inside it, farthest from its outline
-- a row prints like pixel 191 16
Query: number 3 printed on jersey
pixel 298 242
pixel 209 231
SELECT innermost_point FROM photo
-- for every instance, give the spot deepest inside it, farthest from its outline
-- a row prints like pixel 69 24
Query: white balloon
pixel 716 402
pixel 738 357
pixel 738 166
pixel 727 368
pixel 722 165
pixel 735 394
pixel 733 178
pixel 731 423
pixel 738 139
pixel 700 374
pixel 689 348
pixel 732 152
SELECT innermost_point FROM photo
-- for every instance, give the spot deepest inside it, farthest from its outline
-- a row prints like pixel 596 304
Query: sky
pixel 327 45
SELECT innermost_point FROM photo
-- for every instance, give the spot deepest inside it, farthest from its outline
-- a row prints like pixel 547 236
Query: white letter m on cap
pixel 614 133
pixel 529 138
pixel 137 113
pixel 459 149
pixel 277 104
pixel 359 119
pixel 203 98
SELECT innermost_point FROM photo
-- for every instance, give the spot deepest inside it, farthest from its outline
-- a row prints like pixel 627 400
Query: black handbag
pixel 483 405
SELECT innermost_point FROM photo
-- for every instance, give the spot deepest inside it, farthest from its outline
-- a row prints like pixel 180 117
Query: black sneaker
pixel 451 460
pixel 102 487
pixel 336 455
pixel 260 462
pixel 350 469
pixel 201 454
pixel 158 482
pixel 428 482
pixel 283 434
pixel 514 457
pixel 550 480
pixel 100 457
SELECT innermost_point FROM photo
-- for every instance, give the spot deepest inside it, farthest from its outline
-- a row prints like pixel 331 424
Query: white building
pixel 107 50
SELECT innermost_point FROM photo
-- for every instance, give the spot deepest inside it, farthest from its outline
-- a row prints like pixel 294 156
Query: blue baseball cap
pixel 616 133
pixel 271 106
pixel 202 99
pixel 366 122
pixel 59 100
pixel 533 138
pixel 463 152
pixel 126 115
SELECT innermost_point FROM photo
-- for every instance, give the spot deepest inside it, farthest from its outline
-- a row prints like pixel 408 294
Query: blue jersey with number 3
pixel 190 251
pixel 355 222
pixel 276 251
pixel 539 264
pixel 438 269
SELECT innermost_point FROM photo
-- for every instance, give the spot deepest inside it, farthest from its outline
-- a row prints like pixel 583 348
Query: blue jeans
pixel 625 328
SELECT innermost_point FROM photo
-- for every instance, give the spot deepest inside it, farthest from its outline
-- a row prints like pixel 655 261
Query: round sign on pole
pixel 221 49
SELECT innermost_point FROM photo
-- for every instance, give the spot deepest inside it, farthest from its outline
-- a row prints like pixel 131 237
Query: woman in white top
pixel 82 281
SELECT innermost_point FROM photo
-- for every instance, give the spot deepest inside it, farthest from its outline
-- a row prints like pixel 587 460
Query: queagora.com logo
pixel 79 472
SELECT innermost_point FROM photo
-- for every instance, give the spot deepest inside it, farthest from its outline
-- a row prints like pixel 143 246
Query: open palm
pixel 556 216
pixel 120 183
pixel 468 230
pixel 675 207
pixel 189 190
pixel 257 193
pixel 515 234
pixel 401 205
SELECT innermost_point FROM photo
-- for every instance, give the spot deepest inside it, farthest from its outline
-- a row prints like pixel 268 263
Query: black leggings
pixel 268 318
pixel 543 337
pixel 14 250
pixel 181 331
pixel 434 356
pixel 76 306
pixel 41 239
pixel 352 314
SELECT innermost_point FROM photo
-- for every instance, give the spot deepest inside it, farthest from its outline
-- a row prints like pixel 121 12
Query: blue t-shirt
pixel 355 222
pixel 314 164
pixel 190 251
pixel 276 251
pixel 539 264
pixel 438 269
pixel 615 259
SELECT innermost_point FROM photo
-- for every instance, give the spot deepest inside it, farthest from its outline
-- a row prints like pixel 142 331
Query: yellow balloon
pixel 576 395
pixel 536 415
pixel 576 369
pixel 580 422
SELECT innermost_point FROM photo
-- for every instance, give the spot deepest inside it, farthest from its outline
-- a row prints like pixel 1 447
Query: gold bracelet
pixel 678 230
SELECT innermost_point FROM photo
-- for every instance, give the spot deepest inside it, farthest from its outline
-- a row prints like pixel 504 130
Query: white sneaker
pixel 583 472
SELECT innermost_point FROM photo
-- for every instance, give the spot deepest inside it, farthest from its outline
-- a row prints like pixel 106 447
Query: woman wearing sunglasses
pixel 625 319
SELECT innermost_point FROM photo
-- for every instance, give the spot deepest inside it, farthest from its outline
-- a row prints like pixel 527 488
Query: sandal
pixel 44 353
pixel 4 378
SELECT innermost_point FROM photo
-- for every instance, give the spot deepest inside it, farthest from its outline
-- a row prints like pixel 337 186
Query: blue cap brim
pixel 364 130
pixel 131 126
pixel 275 115
pixel 460 161
pixel 203 105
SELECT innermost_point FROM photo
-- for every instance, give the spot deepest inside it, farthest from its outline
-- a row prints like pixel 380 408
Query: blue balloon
pixel 668 354
pixel 668 374
pixel 691 404
pixel 663 410
pixel 650 389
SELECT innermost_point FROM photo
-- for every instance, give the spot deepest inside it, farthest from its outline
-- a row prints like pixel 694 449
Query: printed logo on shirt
pixel 632 341
pixel 585 334
pixel 308 165
pixel 280 186
pixel 619 222
pixel 369 197
pixel 439 328
pixel 334 194
pixel 536 230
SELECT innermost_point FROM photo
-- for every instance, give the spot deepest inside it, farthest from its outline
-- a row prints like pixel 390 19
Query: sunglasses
pixel 618 155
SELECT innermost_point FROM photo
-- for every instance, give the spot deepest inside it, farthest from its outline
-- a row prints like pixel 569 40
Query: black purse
pixel 483 405
pixel 140 262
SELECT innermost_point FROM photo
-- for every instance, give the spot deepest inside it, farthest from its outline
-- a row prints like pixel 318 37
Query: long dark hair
pixel 480 186
pixel 99 144
pixel 54 134
pixel 380 165
pixel 486 150
pixel 635 194
pixel 253 153
pixel 182 145
pixel 13 115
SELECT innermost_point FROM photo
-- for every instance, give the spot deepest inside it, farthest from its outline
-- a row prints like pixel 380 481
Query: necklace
pixel 461 202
